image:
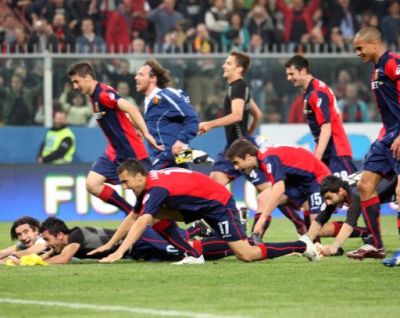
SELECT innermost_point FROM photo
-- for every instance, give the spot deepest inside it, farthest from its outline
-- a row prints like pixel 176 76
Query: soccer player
pixel 181 194
pixel 323 118
pixel 337 192
pixel 293 172
pixel 111 112
pixel 26 231
pixel 79 241
pixel 383 157
pixel 238 106
pixel 170 117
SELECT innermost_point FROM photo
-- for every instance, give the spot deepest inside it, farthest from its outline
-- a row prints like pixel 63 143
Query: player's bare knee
pixel 244 256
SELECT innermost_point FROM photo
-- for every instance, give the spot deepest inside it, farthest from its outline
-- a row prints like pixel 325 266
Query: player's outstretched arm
pixel 267 201
pixel 134 234
pixel 36 248
pixel 119 234
pixel 66 254
pixel 138 120
pixel 7 252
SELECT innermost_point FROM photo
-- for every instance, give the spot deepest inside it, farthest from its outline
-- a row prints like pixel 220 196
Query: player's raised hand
pixel 111 258
pixel 100 249
pixel 153 142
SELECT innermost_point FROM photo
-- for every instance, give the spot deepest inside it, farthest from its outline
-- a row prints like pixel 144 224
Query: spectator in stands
pixel 9 26
pixel 175 41
pixel 88 41
pixel 119 26
pixel 42 38
pixel 344 17
pixel 236 36
pixel 193 10
pixel 272 103
pixel 390 25
pixel 343 79
pixel 79 9
pixel 217 20
pixel 337 43
pixel 353 108
pixel 139 46
pixel 164 18
pixel 258 21
pixel 20 44
pixel 122 73
pixel 76 106
pixel 140 24
pixel 298 20
pixel 58 146
pixel 66 40
pixel 125 92
pixel 19 102
pixel 202 41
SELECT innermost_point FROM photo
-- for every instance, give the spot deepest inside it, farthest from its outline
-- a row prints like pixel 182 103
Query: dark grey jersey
pixel 237 90
pixel 89 238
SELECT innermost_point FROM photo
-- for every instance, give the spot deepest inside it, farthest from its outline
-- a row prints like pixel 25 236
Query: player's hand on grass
pixel 111 258
pixel 153 142
pixel 100 249
pixel 327 250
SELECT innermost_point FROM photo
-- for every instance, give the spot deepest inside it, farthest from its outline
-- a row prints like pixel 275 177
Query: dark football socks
pixel 292 214
pixel 273 250
pixel 371 213
pixel 266 223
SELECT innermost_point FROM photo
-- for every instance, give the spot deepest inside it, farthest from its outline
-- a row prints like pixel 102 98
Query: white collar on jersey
pixel 150 97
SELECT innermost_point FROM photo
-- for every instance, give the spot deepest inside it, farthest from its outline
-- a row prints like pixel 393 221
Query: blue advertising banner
pixel 60 190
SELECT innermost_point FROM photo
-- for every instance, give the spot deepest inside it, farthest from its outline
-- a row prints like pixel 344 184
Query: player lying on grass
pixel 336 194
pixel 26 231
pixel 192 196
pixel 77 242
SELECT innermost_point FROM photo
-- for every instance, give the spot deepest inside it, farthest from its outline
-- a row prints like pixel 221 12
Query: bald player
pixel 383 157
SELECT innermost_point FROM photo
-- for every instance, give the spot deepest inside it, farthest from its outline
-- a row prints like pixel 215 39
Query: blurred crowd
pixel 192 26
pixel 201 26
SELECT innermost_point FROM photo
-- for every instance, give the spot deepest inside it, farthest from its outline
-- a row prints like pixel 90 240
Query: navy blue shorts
pixel 379 159
pixel 298 195
pixel 222 164
pixel 152 246
pixel 341 166
pixel 225 221
pixel 108 169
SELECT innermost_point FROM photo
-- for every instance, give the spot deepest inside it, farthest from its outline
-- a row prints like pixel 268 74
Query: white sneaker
pixel 311 251
pixel 190 260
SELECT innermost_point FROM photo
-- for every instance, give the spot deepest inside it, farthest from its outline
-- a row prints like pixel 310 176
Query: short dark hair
pixel 242 59
pixel 299 62
pixel 54 226
pixel 240 148
pixel 82 69
pixel 33 224
pixel 133 167
pixel 162 74
pixel 332 184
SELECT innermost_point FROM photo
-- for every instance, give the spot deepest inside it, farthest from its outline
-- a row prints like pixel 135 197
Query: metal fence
pixel 198 74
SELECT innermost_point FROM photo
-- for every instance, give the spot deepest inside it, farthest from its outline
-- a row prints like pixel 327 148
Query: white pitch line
pixel 143 311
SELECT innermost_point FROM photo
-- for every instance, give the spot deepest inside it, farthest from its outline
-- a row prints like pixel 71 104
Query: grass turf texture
pixel 284 287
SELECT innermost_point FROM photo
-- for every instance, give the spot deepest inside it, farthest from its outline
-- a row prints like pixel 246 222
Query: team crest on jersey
pixel 98 114
pixel 156 100
pixel 111 95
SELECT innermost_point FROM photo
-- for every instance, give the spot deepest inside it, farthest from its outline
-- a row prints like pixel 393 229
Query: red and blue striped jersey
pixel 385 85
pixel 123 139
pixel 294 165
pixel 184 190
pixel 320 107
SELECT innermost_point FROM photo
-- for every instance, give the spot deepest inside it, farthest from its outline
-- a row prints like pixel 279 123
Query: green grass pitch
pixel 284 287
